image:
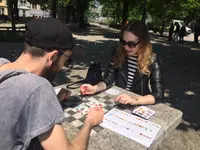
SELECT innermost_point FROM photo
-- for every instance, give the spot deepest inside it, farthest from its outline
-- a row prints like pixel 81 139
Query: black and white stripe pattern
pixel 132 67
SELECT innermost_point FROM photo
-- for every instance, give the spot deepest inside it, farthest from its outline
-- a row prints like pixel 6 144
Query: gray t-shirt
pixel 28 108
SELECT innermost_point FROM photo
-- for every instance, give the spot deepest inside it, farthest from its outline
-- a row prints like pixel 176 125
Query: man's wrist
pixel 88 124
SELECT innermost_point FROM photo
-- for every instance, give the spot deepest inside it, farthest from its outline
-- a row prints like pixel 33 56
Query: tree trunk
pixel 163 22
pixel 125 12
pixel 11 14
pixel 53 8
pixel 9 7
pixel 82 13
pixel 144 11
pixel 16 10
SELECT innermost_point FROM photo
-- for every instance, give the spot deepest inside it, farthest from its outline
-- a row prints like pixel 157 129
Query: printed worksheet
pixel 131 126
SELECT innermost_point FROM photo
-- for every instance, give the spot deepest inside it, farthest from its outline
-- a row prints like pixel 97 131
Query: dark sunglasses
pixel 130 44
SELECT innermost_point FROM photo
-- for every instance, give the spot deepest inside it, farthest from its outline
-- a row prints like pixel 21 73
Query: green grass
pixel 6 36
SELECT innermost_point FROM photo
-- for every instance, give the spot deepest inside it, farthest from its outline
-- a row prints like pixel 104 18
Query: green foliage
pixel 11 36
pixel 158 10
pixel 191 10
pixel 112 9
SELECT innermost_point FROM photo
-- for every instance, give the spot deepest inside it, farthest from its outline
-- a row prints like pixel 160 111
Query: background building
pixel 35 10
pixel 24 8
pixel 3 7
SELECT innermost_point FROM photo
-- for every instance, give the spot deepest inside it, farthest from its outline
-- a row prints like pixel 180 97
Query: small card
pixel 95 104
pixel 112 92
pixel 82 108
pixel 144 112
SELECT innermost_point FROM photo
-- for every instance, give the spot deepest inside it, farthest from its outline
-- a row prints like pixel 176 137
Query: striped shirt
pixel 132 67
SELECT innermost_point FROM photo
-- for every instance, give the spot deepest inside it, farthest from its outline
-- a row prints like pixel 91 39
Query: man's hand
pixel 94 117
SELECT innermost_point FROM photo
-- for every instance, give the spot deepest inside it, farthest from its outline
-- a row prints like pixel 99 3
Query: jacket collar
pixel 124 72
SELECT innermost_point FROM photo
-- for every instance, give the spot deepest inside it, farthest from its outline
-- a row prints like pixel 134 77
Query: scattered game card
pixel 82 108
pixel 144 112
pixel 94 103
pixel 113 91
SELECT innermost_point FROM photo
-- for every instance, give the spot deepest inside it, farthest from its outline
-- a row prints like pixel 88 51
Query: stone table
pixel 167 117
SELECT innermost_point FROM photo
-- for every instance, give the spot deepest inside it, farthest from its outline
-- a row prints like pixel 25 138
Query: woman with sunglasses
pixel 133 67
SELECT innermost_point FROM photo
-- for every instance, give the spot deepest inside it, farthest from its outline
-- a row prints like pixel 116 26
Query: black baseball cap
pixel 48 34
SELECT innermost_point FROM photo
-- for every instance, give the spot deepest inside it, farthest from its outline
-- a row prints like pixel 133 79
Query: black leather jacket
pixel 140 85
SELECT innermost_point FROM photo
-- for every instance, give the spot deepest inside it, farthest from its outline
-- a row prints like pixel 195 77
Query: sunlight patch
pixel 189 93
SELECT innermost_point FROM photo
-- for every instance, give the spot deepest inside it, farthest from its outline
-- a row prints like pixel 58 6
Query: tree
pixel 112 9
pixel 12 12
pixel 53 8
pixel 144 11
pixel 125 11
pixel 164 11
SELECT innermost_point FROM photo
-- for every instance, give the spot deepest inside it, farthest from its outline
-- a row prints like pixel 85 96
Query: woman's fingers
pixel 119 97
pixel 83 89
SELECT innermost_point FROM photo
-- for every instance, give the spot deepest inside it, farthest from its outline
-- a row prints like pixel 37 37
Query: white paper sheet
pixel 57 90
pixel 131 126
pixel 112 91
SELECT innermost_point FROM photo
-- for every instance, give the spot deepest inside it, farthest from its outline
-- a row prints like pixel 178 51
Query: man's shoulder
pixel 33 80
pixel 3 61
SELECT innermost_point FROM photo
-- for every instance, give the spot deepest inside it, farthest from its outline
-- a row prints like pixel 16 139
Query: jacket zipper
pixel 142 86
pixel 122 75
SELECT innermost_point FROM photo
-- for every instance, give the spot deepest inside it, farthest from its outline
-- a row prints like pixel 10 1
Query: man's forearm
pixel 100 86
pixel 81 141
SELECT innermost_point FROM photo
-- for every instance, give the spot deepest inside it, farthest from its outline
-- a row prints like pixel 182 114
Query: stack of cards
pixel 144 112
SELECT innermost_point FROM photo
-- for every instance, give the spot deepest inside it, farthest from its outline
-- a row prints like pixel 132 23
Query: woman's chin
pixel 130 53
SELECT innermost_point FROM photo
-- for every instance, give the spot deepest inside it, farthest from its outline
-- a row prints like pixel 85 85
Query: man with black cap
pixel 29 107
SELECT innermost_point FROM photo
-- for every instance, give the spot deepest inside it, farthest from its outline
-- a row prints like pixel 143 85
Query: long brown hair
pixel 144 53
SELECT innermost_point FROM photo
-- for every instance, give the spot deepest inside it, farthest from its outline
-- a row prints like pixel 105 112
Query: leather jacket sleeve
pixel 156 79
pixel 110 76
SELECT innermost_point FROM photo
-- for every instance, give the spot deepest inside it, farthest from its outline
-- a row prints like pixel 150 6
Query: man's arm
pixel 55 139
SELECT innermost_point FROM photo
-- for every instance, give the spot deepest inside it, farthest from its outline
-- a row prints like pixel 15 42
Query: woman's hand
pixel 87 89
pixel 126 99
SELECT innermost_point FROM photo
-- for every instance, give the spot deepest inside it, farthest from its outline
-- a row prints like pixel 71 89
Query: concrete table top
pixel 167 117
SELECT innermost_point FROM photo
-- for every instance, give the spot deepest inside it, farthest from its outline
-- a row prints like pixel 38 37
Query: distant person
pixel 196 33
pixel 176 32
pixel 133 67
pixel 182 34
pixel 31 115
pixel 171 31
